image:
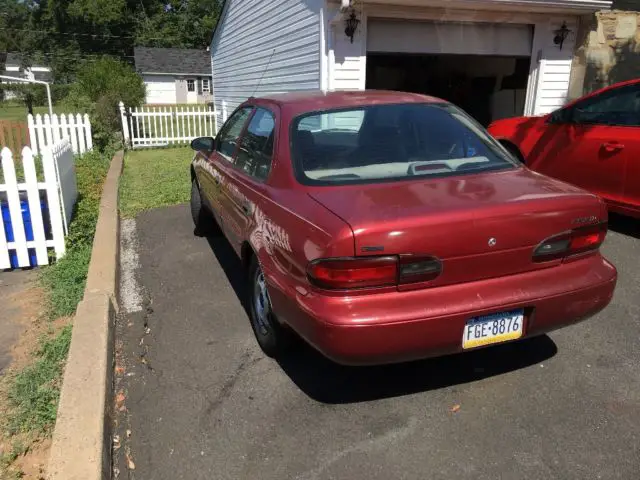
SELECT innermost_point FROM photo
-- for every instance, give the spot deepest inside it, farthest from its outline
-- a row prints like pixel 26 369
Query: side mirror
pixel 203 144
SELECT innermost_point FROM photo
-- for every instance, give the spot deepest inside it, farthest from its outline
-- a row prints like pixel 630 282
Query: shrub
pixel 65 280
pixel 100 85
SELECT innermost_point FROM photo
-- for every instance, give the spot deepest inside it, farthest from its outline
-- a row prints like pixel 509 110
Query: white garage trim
pixel 550 67
pixel 461 38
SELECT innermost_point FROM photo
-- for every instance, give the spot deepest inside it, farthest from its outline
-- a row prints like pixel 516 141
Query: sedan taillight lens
pixel 575 242
pixel 370 272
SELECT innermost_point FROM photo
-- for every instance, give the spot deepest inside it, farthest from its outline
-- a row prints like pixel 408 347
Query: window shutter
pixel 199 85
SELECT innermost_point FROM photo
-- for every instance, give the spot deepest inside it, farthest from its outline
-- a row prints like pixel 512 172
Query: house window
pixel 206 85
pixel 191 85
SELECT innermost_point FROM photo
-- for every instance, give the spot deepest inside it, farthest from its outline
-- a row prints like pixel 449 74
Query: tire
pixel 202 218
pixel 273 338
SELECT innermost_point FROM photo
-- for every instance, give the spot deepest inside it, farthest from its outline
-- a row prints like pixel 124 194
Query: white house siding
pixel 554 69
pixel 161 89
pixel 347 61
pixel 264 47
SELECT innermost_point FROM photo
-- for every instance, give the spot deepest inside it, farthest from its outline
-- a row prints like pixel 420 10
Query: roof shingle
pixel 186 61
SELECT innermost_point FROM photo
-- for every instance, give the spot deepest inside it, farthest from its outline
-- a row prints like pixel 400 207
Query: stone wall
pixel 608 51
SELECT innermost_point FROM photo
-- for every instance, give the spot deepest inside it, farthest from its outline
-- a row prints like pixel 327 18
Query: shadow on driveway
pixel 624 225
pixel 328 382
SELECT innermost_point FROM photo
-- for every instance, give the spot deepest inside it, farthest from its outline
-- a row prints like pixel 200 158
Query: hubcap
pixel 262 304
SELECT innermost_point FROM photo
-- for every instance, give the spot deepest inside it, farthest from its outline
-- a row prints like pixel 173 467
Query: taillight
pixel 368 272
pixel 571 243
pixel 418 269
pixel 346 273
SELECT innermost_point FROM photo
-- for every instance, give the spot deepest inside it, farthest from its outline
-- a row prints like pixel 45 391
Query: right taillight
pixel 574 242
pixel 372 272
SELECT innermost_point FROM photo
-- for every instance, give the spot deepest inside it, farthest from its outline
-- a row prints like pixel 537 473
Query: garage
pixel 482 67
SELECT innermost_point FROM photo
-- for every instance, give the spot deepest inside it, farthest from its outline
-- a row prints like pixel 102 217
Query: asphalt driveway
pixel 198 399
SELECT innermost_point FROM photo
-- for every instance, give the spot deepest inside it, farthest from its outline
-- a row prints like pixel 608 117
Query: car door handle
pixel 612 146
pixel 246 209
pixel 216 180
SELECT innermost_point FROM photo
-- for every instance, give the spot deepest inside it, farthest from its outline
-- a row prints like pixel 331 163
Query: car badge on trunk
pixel 492 242
pixel 581 220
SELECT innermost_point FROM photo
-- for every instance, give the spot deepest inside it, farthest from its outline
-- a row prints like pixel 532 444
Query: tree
pixel 99 87
pixel 67 33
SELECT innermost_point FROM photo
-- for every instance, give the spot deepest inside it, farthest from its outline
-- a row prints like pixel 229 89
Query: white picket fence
pixel 57 190
pixel 167 125
pixel 45 131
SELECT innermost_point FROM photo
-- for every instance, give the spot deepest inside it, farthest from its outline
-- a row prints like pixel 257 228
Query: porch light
pixel 351 23
pixel 561 35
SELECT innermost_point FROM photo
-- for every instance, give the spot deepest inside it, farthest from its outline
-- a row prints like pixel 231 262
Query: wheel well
pixel 193 174
pixel 247 255
pixel 512 149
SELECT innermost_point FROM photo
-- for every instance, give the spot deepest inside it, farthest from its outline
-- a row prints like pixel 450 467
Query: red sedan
pixel 384 227
pixel 593 143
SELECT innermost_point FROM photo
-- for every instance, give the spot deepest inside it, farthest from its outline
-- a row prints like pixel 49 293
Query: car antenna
pixel 263 72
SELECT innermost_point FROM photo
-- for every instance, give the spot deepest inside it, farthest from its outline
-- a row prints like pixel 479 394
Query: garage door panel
pixel 393 36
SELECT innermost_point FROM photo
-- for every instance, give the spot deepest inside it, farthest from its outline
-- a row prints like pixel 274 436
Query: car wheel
pixel 202 219
pixel 273 338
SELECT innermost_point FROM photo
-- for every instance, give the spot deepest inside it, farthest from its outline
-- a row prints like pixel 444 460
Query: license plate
pixel 494 328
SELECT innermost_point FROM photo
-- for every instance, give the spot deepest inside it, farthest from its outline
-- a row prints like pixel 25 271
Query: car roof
pixel 301 102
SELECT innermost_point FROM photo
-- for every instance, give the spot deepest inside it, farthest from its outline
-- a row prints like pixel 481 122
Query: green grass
pixel 154 178
pixel 65 280
pixel 17 111
pixel 34 393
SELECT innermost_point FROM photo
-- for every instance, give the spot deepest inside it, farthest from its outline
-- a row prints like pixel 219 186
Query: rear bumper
pixel 402 326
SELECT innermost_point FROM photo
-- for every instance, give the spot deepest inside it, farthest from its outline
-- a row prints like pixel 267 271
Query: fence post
pixel 53 198
pixel 15 209
pixel 125 124
pixel 55 126
pixel 35 208
pixel 4 252
pixel 33 139
pixel 87 131
pixel 82 139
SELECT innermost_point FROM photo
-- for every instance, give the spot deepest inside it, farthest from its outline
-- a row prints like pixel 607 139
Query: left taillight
pixel 370 272
pixel 574 242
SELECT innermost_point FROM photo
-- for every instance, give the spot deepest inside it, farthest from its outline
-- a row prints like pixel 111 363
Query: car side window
pixel 228 137
pixel 256 146
pixel 620 106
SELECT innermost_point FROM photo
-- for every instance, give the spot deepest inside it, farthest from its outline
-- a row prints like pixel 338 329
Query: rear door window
pixel 256 146
pixel 227 140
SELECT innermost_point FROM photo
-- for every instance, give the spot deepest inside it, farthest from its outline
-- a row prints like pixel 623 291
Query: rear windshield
pixel 391 142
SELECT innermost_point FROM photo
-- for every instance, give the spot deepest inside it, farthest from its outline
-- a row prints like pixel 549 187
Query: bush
pixel 65 280
pixel 99 87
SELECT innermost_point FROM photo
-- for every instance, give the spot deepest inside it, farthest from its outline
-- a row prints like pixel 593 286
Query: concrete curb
pixel 81 448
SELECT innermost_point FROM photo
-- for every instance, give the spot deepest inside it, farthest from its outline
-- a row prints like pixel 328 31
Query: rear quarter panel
pixel 290 230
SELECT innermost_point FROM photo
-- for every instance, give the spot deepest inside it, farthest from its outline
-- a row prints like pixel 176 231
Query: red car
pixel 593 143
pixel 384 227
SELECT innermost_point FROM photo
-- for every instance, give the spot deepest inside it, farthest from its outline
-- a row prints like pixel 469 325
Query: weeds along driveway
pixel 197 399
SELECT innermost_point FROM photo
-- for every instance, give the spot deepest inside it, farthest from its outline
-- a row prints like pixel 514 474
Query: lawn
pixel 154 178
pixel 16 111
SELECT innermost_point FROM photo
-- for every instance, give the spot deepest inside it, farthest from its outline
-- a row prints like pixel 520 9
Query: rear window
pixel 391 142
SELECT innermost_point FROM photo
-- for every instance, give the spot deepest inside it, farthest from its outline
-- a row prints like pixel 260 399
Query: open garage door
pixel 481 67
pixel 458 38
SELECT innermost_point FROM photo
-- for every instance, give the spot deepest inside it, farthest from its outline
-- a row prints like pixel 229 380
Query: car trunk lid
pixel 479 226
